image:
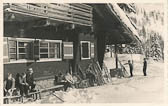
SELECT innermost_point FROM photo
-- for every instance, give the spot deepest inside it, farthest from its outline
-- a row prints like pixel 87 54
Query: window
pixel 85 50
pixel 44 49
pixel 55 50
pixel 20 49
pixel 23 50
pixel 50 49
pixel 16 49
pixel 12 50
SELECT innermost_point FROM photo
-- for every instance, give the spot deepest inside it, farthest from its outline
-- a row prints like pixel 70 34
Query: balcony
pixel 71 13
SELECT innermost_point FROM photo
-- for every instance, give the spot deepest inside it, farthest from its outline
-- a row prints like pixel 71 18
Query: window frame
pixel 17 60
pixel 26 40
pixel 89 48
pixel 48 42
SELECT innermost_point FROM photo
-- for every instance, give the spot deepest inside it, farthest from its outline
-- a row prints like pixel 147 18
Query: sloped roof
pixel 115 18
pixel 122 17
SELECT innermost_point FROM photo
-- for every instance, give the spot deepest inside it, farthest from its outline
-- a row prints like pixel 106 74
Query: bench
pixel 35 95
pixel 54 88
pixel 7 99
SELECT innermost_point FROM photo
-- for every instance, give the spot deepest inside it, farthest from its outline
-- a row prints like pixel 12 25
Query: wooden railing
pixel 72 13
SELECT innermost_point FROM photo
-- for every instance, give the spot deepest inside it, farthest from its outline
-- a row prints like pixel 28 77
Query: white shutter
pixel 68 50
pixel 5 50
pixel 92 50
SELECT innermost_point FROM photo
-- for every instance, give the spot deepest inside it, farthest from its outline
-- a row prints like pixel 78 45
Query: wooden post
pixel 116 56
pixel 67 60
pixel 111 52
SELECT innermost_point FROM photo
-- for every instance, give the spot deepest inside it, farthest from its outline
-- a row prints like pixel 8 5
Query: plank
pixel 58 97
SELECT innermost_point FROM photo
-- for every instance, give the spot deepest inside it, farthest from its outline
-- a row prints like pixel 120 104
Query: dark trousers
pixel 23 89
pixel 5 93
pixel 131 74
pixel 32 87
pixel 144 71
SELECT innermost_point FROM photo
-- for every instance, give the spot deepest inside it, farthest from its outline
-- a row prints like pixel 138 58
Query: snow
pixel 152 24
pixel 138 89
pixel 123 18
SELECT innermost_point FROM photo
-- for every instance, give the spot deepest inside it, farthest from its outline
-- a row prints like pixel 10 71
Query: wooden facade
pixel 52 38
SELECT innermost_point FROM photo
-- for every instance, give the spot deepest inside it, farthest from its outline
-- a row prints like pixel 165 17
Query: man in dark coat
pixel 131 68
pixel 144 67
pixel 30 79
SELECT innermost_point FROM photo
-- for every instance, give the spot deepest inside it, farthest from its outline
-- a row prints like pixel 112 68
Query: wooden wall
pixel 46 69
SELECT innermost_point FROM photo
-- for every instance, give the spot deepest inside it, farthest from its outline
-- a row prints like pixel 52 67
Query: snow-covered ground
pixel 125 90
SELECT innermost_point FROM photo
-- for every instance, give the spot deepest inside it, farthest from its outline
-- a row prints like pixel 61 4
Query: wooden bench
pixel 54 88
pixel 35 95
pixel 7 99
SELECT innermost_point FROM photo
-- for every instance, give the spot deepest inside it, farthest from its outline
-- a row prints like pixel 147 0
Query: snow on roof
pixel 119 13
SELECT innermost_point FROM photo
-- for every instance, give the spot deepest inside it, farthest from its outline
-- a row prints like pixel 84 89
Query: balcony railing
pixel 72 13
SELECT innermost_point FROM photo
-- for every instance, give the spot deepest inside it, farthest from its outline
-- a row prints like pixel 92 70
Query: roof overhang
pixel 116 19
pixel 126 22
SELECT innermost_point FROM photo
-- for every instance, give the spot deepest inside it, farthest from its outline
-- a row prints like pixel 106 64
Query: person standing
pixel 131 68
pixel 144 67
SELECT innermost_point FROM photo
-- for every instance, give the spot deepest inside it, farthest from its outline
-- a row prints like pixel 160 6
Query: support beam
pixel 116 56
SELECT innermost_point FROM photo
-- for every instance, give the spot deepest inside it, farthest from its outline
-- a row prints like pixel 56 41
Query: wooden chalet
pixel 53 38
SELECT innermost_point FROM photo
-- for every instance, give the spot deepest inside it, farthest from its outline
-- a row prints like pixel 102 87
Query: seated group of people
pixel 24 83
pixel 72 81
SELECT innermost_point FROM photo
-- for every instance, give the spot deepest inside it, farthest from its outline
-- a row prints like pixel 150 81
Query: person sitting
pixel 24 86
pixel 64 80
pixel 9 85
pixel 17 83
pixel 69 78
pixel 30 80
pixel 77 80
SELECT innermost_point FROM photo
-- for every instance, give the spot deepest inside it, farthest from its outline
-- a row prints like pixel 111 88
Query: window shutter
pixel 5 50
pixel 31 50
pixel 36 50
pixel 68 50
pixel 92 50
